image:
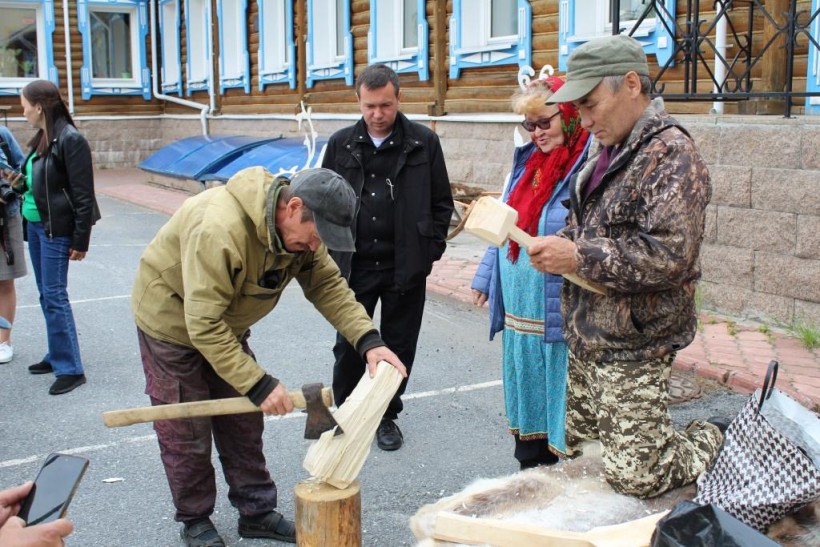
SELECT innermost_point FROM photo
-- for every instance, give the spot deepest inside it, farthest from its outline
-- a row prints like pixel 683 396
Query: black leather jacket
pixel 424 201
pixel 63 186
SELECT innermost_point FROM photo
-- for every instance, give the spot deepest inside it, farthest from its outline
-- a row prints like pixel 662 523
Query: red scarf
pixel 543 171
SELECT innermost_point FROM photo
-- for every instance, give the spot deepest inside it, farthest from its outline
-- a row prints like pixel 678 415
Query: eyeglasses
pixel 543 123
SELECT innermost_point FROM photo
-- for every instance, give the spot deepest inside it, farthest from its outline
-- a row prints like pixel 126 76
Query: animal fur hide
pixel 574 496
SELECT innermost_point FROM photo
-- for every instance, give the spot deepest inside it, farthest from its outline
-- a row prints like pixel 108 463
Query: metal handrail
pixel 697 52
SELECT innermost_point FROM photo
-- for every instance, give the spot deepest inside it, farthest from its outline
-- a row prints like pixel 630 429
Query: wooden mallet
pixel 494 222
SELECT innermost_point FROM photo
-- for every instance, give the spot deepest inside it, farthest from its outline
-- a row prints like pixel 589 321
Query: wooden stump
pixel 326 515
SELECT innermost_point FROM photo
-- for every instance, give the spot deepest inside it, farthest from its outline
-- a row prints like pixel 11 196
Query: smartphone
pixel 6 167
pixel 53 489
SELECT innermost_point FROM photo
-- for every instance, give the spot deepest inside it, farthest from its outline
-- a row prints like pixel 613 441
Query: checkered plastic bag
pixel 764 469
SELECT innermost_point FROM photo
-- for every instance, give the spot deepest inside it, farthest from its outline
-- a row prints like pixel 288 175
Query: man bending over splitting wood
pixel 216 268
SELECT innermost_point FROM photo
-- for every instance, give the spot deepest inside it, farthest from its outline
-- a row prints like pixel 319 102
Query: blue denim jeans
pixel 49 258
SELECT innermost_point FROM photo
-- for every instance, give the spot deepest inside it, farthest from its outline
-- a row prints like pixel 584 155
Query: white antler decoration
pixel 525 74
pixel 309 142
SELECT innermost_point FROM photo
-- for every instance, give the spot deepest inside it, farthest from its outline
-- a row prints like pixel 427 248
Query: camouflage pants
pixel 624 404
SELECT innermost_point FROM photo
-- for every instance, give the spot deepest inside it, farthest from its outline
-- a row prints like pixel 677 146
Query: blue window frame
pixel 581 20
pixel 171 76
pixel 490 33
pixel 398 36
pixel 114 59
pixel 26 49
pixel 813 76
pixel 234 61
pixel 277 49
pixel 197 45
pixel 329 46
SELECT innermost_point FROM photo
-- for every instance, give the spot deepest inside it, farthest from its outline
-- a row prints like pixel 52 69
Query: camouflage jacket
pixel 639 234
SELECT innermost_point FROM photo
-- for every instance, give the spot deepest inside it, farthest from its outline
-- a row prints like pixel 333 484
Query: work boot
pixel 201 533
pixel 388 436
pixel 66 383
pixel 271 525
pixel 43 367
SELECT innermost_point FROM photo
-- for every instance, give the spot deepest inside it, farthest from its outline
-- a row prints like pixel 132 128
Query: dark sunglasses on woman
pixel 543 123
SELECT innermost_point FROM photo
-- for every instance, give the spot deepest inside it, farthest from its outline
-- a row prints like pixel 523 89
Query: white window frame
pixel 276 29
pixel 170 46
pixel 385 45
pixel 651 33
pixel 602 26
pixel 324 62
pixel 471 42
pixel 197 69
pixel 234 61
pixel 140 81
pixel 133 81
pixel 44 15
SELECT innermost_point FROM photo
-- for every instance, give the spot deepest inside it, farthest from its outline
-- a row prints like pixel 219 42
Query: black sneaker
pixel 388 436
pixel 43 367
pixel 201 533
pixel 66 383
pixel 271 525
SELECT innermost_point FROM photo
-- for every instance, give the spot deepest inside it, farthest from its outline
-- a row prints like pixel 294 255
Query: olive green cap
pixel 591 62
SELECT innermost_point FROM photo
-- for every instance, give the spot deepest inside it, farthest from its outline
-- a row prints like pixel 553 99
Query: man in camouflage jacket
pixel 635 226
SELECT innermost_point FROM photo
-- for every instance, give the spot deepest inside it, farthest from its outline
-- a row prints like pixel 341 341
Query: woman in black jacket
pixel 59 208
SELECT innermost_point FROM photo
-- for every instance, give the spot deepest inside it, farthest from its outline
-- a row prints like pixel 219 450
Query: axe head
pixel 319 418
pixel 491 220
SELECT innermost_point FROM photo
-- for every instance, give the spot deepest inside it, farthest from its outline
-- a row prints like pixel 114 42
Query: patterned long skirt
pixel 534 372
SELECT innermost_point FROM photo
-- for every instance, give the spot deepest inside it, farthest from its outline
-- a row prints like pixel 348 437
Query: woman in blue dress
pixel 523 302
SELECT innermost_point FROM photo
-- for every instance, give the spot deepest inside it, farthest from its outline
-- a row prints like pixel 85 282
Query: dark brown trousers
pixel 176 374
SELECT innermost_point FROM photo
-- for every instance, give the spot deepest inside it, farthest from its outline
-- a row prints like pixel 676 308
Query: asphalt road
pixel 453 422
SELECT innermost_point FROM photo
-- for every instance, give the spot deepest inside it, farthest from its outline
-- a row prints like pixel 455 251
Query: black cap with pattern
pixel 333 203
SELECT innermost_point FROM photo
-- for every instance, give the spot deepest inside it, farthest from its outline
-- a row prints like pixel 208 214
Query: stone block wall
pixel 761 254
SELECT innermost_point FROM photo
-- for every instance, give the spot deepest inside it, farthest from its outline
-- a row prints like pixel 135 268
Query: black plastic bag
pixel 692 525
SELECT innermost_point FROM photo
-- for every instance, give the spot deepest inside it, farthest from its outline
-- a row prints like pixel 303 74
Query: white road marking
pixel 292 415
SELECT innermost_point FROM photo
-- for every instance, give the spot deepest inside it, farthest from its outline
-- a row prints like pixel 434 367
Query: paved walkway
pixel 731 353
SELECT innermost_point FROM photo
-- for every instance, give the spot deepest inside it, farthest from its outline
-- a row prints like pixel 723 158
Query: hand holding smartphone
pixel 6 167
pixel 53 489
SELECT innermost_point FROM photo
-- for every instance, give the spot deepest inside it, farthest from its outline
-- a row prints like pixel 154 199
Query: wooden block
pixel 337 460
pixel 326 515
pixel 491 220
pixel 484 531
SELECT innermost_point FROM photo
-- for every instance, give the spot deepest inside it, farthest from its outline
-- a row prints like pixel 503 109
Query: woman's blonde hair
pixel 531 98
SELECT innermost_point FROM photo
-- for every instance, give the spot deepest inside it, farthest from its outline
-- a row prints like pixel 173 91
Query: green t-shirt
pixel 30 211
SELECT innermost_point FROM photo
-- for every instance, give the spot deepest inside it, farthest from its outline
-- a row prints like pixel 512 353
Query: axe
pixel 494 222
pixel 313 397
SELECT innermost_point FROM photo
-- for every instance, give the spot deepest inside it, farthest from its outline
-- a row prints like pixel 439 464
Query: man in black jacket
pixel 403 212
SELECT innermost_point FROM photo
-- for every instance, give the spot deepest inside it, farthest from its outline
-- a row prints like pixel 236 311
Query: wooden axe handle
pixel 197 409
pixel 526 240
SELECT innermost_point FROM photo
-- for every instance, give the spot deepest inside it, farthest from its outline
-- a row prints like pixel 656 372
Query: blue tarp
pixel 194 157
pixel 283 154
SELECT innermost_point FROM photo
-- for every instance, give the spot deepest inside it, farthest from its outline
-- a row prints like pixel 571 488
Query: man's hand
pixel 553 254
pixel 277 402
pixel 479 298
pixel 383 353
pixel 13 531
pixel 10 500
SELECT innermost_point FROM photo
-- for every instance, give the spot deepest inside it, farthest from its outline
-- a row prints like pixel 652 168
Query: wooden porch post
pixel 439 57
pixel 773 77
pixel 301 53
